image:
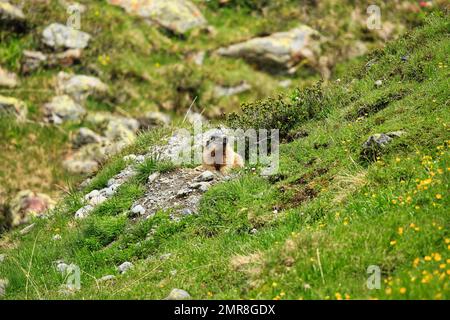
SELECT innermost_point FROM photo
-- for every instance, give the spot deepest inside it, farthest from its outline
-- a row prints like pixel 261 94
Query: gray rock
pixel 32 60
pixel 183 193
pixel 59 36
pixel 81 166
pixel 79 87
pixel 186 212
pixel 83 212
pixel 56 237
pixel 10 12
pixel 205 176
pixel 153 177
pixel 86 136
pixel 2 257
pixel 27 229
pixel 178 294
pixel 95 198
pixel 378 83
pixel 154 119
pixel 375 143
pixel 3 282
pixel 13 106
pixel 226 91
pixel 111 190
pixel 202 186
pixel 8 79
pixel 130 157
pixel 281 51
pixel 124 267
pixel 63 108
pixel 178 16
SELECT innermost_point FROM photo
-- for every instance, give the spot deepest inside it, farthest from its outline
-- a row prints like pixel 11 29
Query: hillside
pixel 363 181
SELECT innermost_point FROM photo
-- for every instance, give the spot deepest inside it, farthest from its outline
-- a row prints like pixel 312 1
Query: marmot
pixel 219 155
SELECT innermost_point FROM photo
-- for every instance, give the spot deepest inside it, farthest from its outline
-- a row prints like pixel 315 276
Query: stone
pixel 10 12
pixel 178 294
pixel 64 59
pixel 13 106
pixel 154 119
pixel 205 176
pixel 183 193
pixel 195 117
pixel 32 60
pixel 95 198
pixel 3 282
pixel 8 79
pixel 202 186
pixel 196 57
pixel 111 190
pixel 178 16
pixel 107 278
pixel 186 212
pixel 28 204
pixel 83 212
pixel 86 136
pixel 63 108
pixel 226 91
pixel 152 178
pixel 79 87
pixel 138 210
pixel 378 83
pixel 375 143
pixel 60 36
pixel 81 166
pixel 2 257
pixel 124 267
pixel 27 229
pixel 56 237
pixel 281 51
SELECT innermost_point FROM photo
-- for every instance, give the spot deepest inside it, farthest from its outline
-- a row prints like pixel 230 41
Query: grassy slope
pixel 144 66
pixel 336 214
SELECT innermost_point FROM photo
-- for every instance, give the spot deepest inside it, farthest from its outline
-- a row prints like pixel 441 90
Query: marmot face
pixel 219 155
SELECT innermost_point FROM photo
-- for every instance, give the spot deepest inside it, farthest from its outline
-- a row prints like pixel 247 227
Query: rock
pixel 375 143
pixel 10 12
pixel 7 79
pixel 130 157
pixel 195 117
pixel 138 210
pixel 86 136
pixel 186 212
pixel 196 57
pixel 111 190
pixel 107 278
pixel 152 178
pixel 178 294
pixel 183 193
pixel 3 282
pixel 63 108
pixel 95 198
pixel 81 166
pixel 378 83
pixel 154 119
pixel 59 36
pixel 56 237
pixel 83 212
pixel 285 83
pixel 13 106
pixel 79 87
pixel 205 176
pixel 27 229
pixel 124 267
pixel 64 59
pixel 27 204
pixel 103 119
pixel 119 132
pixel 202 186
pixel 32 60
pixel 178 16
pixel 221 91
pixel 281 51
pixel 2 257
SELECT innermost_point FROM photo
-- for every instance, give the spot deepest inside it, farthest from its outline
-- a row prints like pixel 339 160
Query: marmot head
pixel 215 151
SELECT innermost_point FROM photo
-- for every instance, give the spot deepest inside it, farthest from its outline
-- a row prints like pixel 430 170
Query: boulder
pixel 154 119
pixel 373 146
pixel 60 36
pixel 226 91
pixel 32 60
pixel 63 108
pixel 13 106
pixel 86 136
pixel 79 87
pixel 281 51
pixel 27 204
pixel 178 294
pixel 7 79
pixel 178 16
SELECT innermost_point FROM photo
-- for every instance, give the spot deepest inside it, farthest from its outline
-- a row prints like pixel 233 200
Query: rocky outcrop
pixel 178 16
pixel 13 106
pixel 61 109
pixel 33 60
pixel 7 79
pixel 281 51
pixel 9 12
pixel 59 36
pixel 227 91
pixel 377 142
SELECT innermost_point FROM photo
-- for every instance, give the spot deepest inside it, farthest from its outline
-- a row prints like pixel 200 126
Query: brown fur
pixel 219 156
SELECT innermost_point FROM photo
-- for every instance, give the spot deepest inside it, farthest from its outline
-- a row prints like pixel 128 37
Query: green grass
pixel 321 222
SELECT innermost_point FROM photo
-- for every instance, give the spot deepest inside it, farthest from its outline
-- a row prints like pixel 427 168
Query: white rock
pixel 205 176
pixel 124 267
pixel 379 83
pixel 152 178
pixel 130 157
pixel 58 35
pixel 56 237
pixel 83 212
pixel 138 210
pixel 2 257
pixel 3 284
pixel 106 278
